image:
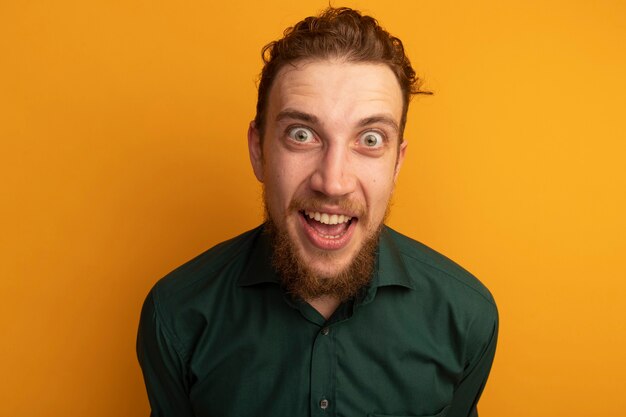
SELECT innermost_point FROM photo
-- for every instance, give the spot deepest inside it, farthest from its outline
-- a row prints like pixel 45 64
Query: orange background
pixel 123 128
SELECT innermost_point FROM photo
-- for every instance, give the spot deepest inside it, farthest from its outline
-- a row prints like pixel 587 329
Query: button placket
pixel 322 373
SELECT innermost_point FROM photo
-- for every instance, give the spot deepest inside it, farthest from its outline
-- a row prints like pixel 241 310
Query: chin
pixel 326 263
pixel 322 268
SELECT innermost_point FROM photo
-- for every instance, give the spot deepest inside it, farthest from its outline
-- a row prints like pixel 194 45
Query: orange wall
pixel 123 133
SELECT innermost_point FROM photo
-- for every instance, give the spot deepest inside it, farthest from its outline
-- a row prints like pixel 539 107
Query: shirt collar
pixel 259 269
pixel 390 269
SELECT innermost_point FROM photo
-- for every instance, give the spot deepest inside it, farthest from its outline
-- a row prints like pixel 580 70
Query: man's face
pixel 329 157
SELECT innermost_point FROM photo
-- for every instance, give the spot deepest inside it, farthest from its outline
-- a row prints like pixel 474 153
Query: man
pixel 322 310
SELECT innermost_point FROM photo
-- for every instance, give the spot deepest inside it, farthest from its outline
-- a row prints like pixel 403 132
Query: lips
pixel 328 231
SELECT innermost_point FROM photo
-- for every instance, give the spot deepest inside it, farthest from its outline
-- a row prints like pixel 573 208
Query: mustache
pixel 346 205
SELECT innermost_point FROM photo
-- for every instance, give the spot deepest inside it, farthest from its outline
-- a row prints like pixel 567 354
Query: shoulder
pixel 431 271
pixel 421 260
pixel 207 265
pixel 448 294
pixel 182 298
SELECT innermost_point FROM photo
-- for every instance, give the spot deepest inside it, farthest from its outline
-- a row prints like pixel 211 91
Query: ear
pixel 401 154
pixel 255 149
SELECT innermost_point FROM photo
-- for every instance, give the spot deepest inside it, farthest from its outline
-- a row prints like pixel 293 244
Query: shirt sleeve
pixel 467 393
pixel 162 365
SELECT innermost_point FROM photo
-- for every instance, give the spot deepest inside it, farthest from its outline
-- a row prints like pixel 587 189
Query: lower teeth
pixel 331 237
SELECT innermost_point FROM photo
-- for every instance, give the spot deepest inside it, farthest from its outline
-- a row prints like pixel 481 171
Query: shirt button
pixel 324 404
pixel 325 331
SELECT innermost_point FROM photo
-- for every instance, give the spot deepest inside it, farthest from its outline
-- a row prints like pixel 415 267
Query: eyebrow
pixel 296 115
pixel 309 118
pixel 380 119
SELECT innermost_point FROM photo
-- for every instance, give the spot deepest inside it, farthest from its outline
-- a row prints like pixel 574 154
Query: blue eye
pixel 372 139
pixel 300 134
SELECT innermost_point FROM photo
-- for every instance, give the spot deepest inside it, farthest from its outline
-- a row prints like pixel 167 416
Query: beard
pixel 302 282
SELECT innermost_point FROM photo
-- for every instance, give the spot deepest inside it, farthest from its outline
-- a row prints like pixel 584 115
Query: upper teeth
pixel 328 218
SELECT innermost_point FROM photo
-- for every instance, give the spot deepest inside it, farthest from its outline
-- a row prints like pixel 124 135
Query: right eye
pixel 300 134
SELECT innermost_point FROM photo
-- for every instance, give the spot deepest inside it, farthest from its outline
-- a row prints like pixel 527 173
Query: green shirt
pixel 219 338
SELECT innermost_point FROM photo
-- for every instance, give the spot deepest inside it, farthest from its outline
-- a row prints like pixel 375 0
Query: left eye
pixel 300 134
pixel 371 139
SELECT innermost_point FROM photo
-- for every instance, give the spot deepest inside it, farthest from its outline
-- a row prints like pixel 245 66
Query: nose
pixel 334 176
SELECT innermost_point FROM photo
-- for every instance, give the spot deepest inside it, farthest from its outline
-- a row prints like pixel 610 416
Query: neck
pixel 325 305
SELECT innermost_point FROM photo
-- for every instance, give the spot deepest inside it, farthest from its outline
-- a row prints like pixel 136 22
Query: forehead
pixel 337 90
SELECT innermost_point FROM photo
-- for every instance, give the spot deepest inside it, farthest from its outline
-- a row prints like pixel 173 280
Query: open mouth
pixel 328 230
pixel 329 226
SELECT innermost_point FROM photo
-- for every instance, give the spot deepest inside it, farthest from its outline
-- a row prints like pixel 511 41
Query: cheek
pixel 282 183
pixel 377 179
pixel 378 187
pixel 292 172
